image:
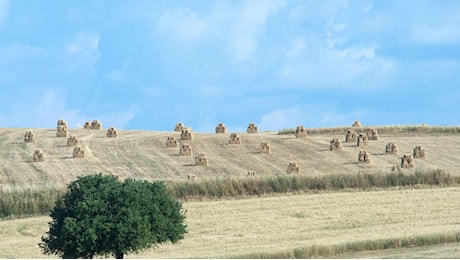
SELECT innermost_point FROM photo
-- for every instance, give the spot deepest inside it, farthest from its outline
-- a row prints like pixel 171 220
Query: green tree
pixel 102 216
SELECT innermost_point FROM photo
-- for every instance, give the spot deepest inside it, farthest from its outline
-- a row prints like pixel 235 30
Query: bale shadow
pixel 67 157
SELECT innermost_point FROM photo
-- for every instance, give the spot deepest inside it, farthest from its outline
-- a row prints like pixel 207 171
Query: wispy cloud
pixel 83 51
pixel 16 52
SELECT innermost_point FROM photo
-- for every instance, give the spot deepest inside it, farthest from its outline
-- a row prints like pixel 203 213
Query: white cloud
pixel 443 34
pixel 16 51
pixel 4 9
pixel 183 24
pixel 84 50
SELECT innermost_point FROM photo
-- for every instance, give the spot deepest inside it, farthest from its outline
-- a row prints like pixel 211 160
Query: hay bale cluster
pixel 62 130
pixel 29 137
pixel 373 134
pixel 72 141
pixel 201 159
pixel 391 148
pixel 419 152
pixel 264 148
pixel 357 124
pixel 407 161
pixel 234 139
pixel 78 152
pixel 362 139
pixel 364 157
pixel 179 127
pixel 112 132
pixel 185 150
pixel 351 136
pixel 300 132
pixel 38 156
pixel 252 128
pixel 336 144
pixel 171 142
pixel 186 134
pixel 293 168
pixel 221 128
pixel 95 125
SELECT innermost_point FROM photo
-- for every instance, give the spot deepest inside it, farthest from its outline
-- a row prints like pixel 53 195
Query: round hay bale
pixel 221 128
pixel 252 128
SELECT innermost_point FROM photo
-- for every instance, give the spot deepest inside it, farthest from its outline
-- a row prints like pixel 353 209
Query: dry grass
pixel 143 155
pixel 233 228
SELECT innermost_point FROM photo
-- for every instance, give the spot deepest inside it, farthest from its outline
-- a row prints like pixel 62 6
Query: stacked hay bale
pixel 201 159
pixel 364 157
pixel 179 127
pixel 72 141
pixel 300 132
pixel 252 128
pixel 336 144
pixel 419 152
pixel 234 139
pixel 357 124
pixel 38 156
pixel 221 129
pixel 78 152
pixel 87 125
pixel 62 130
pixel 362 139
pixel 293 168
pixel 171 142
pixel 112 132
pixel 185 150
pixel 407 161
pixel 29 137
pixel 372 134
pixel 95 125
pixel 186 134
pixel 351 136
pixel 391 148
pixel 264 148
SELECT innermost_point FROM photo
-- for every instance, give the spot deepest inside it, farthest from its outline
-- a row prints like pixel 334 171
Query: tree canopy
pixel 102 216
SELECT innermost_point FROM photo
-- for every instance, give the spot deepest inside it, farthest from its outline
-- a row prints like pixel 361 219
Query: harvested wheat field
pixel 245 227
pixel 143 155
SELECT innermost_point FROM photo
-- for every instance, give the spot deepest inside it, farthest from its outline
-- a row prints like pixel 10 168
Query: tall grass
pixel 220 188
pixel 27 202
pixel 382 130
pixel 367 245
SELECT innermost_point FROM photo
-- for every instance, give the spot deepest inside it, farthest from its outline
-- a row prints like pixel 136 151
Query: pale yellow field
pixel 143 155
pixel 231 228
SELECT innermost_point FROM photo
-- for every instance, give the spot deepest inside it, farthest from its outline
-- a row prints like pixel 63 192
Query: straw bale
pixel 221 128
pixel 252 128
pixel 357 124
pixel 396 167
pixel 419 152
pixel 112 132
pixel 201 159
pixel 336 144
pixel 61 123
pixel 351 136
pixel 87 125
pixel 171 142
pixel 293 168
pixel 372 134
pixel 191 177
pixel 38 156
pixel 185 149
pixel 264 148
pixel 96 125
pixel 62 131
pixel 186 134
pixel 234 139
pixel 391 148
pixel 300 132
pixel 364 157
pixel 407 161
pixel 251 173
pixel 29 137
pixel 78 152
pixel 179 127
pixel 362 139
pixel 72 141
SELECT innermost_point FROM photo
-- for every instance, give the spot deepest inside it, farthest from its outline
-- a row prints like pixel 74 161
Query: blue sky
pixel 150 64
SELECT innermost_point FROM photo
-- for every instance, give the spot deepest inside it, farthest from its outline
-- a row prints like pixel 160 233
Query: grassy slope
pixel 142 154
